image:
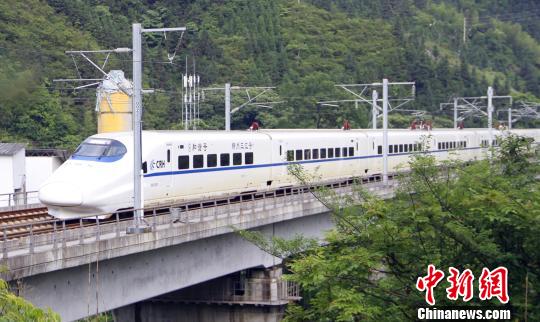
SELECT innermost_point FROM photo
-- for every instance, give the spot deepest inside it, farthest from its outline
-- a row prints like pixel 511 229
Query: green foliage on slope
pixel 301 47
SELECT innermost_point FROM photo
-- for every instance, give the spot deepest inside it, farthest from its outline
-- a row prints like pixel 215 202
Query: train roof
pixel 282 133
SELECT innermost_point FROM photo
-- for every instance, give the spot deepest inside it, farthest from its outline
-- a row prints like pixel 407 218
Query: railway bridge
pixel 84 267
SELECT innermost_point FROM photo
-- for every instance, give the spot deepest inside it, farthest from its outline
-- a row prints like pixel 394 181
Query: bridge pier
pixel 258 294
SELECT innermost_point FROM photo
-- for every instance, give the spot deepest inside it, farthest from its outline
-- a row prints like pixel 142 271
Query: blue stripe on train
pixel 168 173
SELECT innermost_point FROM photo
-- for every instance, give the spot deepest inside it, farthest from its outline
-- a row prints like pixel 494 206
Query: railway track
pixel 17 223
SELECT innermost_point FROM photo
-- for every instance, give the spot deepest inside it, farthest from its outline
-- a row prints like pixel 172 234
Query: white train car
pixel 186 165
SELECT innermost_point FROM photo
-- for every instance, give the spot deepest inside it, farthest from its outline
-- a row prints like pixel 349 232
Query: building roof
pixel 62 154
pixel 8 149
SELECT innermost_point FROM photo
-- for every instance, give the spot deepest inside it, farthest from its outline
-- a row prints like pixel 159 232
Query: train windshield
pixel 106 149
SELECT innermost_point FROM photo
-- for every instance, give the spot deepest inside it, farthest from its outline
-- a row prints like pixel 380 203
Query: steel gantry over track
pixel 386 107
pixel 359 91
pixel 527 110
pixel 473 106
pixel 250 99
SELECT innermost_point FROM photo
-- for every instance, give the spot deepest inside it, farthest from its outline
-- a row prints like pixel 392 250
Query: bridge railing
pixel 18 200
pixel 225 212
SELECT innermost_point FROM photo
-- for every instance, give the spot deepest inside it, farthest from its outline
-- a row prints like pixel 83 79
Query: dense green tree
pixel 15 309
pixel 472 216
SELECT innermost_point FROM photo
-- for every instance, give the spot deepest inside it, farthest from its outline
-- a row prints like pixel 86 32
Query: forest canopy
pixel 303 48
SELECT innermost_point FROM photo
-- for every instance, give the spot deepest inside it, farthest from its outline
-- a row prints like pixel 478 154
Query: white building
pixel 12 172
pixel 23 171
pixel 40 164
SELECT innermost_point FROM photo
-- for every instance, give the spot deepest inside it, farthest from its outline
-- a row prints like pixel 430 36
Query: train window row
pixel 323 153
pixel 451 145
pixel 212 160
pixel 485 143
pixel 401 148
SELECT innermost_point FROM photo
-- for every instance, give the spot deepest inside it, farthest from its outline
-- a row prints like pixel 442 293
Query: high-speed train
pixel 185 165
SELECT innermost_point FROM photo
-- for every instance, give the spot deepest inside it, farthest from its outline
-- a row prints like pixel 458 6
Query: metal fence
pixel 27 238
pixel 19 200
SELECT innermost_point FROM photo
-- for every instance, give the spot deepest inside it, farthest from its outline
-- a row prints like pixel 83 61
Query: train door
pixel 168 179
pixel 279 173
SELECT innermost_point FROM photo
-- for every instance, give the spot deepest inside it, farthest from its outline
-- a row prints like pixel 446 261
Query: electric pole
pixel 227 106
pixel 138 201
pixel 374 110
pixel 385 131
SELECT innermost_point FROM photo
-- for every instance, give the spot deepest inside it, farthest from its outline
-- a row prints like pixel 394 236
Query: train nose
pixel 61 194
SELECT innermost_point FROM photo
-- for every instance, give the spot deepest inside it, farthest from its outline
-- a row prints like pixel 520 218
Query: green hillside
pixel 301 47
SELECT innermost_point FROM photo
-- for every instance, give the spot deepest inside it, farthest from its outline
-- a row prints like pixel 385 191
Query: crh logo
pixel 491 284
pixel 159 164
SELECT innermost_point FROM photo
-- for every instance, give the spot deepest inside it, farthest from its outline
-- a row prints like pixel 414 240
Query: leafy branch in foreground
pixel 450 214
pixel 484 214
pixel 277 246
pixel 14 308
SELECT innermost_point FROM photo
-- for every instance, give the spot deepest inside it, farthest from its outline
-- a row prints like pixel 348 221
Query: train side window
pixel 237 159
pixel 351 151
pixel 464 144
pixel 439 146
pixel 211 160
pixel 330 152
pixel 248 158
pixel 396 148
pixel 379 149
pixel 168 156
pixel 344 151
pixel 280 150
pixel 290 155
pixel 307 154
pixel 454 145
pixel 315 154
pixel 405 148
pixel 410 147
pixel 400 148
pixel 145 167
pixel 323 153
pixel 183 162
pixel 224 159
pixel 198 161
pixel 299 156
pixel 390 149
pixel 337 152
